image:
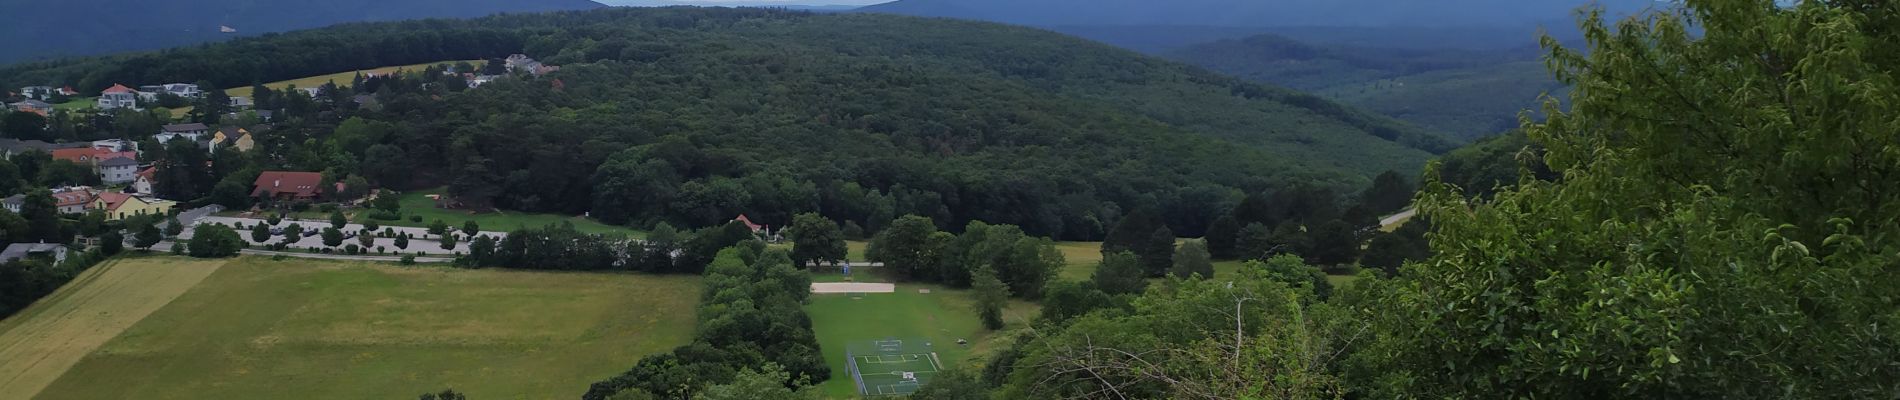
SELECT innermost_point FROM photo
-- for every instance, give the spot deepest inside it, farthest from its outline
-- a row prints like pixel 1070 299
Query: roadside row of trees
pixel 751 321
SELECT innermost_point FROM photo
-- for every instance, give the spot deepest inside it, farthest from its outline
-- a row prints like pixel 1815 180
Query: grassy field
pixel 41 343
pixel 78 103
pixel 341 78
pixel 418 203
pixel 941 316
pixel 335 330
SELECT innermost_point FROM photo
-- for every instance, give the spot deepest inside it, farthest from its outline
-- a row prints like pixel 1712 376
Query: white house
pixel 118 96
pixel 142 182
pixel 240 102
pixel 185 90
pixel 38 92
pixel 192 131
pixel 118 170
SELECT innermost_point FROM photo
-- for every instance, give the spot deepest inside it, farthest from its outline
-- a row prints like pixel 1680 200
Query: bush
pixel 408 260
pixel 385 215
pixel 415 219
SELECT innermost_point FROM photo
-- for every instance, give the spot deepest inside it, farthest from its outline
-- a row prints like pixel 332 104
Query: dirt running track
pixel 41 342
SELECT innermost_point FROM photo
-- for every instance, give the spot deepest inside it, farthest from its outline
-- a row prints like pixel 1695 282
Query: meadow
pixel 258 328
pixel 341 78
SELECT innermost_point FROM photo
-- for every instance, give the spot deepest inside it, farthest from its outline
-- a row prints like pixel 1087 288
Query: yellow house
pixel 238 138
pixel 120 205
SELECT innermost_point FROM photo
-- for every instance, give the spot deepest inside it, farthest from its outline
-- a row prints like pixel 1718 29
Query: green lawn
pixel 341 78
pixel 258 328
pixel 941 317
pixel 418 203
pixel 78 103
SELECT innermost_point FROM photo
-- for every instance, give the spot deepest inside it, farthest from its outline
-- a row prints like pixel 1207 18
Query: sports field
pixel 341 78
pixel 939 317
pixel 258 328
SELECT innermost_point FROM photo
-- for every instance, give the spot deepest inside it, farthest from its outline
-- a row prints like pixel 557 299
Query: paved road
pixel 1388 221
pixel 167 245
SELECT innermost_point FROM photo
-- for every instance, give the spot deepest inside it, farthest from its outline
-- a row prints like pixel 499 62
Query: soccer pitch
pixel 892 367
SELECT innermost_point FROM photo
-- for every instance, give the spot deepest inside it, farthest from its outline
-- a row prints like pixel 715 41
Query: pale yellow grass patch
pixel 40 343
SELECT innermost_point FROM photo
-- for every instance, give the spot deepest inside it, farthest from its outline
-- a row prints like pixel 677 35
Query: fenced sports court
pixel 891 367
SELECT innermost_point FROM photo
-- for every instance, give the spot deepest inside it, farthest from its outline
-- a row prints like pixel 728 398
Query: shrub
pixel 408 260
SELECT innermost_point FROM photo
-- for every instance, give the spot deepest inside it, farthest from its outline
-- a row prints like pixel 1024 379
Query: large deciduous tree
pixel 815 238
pixel 1724 226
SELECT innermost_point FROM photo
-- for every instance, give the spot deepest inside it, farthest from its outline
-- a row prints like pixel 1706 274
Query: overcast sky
pixel 752 2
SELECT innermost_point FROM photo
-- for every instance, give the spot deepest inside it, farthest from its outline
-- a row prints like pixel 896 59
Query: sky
pixel 748 2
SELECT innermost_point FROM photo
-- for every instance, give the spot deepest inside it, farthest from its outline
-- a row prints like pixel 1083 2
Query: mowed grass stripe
pixel 315 329
pixel 41 343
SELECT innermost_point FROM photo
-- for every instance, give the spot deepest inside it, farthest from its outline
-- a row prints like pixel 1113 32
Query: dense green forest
pixel 1710 225
pixel 693 116
pixel 1465 93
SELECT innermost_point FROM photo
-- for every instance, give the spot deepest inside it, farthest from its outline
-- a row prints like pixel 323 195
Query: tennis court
pixel 892 367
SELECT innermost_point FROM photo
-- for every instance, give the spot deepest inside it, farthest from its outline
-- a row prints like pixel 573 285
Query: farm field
pixel 259 328
pixel 941 317
pixel 43 341
pixel 341 78
pixel 418 203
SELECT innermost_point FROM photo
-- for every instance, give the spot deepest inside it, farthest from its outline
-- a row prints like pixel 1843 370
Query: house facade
pixel 119 206
pixel 142 180
pixel 117 97
pixel 191 131
pixel 118 170
pixel 288 186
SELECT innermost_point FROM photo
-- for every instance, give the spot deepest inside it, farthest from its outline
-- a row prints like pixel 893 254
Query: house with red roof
pixel 749 224
pixel 292 186
pixel 118 96
pixel 91 156
pixel 142 182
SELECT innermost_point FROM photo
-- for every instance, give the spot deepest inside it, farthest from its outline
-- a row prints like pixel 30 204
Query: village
pixel 119 179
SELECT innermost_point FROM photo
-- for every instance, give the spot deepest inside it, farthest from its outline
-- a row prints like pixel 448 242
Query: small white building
pixel 118 170
pixel 185 90
pixel 192 131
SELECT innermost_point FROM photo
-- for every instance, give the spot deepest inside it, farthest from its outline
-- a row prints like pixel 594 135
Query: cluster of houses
pixel 115 160
pixel 35 99
pixel 208 139
pixel 519 63
pixel 119 96
pixel 83 199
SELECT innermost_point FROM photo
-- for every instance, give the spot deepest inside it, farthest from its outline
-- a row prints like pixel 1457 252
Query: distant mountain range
pixel 41 29
pixel 1256 13
pixel 812 5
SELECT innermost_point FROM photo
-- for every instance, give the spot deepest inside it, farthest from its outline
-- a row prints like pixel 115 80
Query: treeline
pixel 561 247
pixel 915 250
pixel 751 318
pixel 692 116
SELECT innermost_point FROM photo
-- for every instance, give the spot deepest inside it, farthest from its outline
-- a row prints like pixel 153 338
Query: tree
pixel 42 216
pixel 1192 259
pixel 337 220
pixel 332 237
pixel 852 231
pixel 446 394
pixel 905 248
pixel 438 227
pixel 448 241
pixel 1131 233
pixel 366 238
pixel 1120 273
pixel 471 228
pixel 215 241
pixel 766 383
pixel 402 241
pixel 1333 243
pixel 1389 193
pixel 14 229
pixel 991 297
pixel 1255 242
pixel 1223 237
pixel 1388 251
pixel 147 236
pixel 953 384
pixel 815 238
pixel 260 233
pixel 111 243
pixel 1712 236
pixel 173 228
pixel 24 126
pixel 1157 254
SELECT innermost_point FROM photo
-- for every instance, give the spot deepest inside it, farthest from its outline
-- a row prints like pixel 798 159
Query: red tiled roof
pixel 302 185
pixel 114 199
pixel 748 223
pixel 149 173
pixel 90 155
pixel 72 198
pixel 117 88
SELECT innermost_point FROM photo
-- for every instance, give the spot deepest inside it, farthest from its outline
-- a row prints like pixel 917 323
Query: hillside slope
pixel 1237 13
pixel 45 29
pixel 692 116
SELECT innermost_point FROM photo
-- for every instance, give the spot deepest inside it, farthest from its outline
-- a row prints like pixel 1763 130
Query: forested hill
pixel 692 116
pixel 1254 13
pixel 39 29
